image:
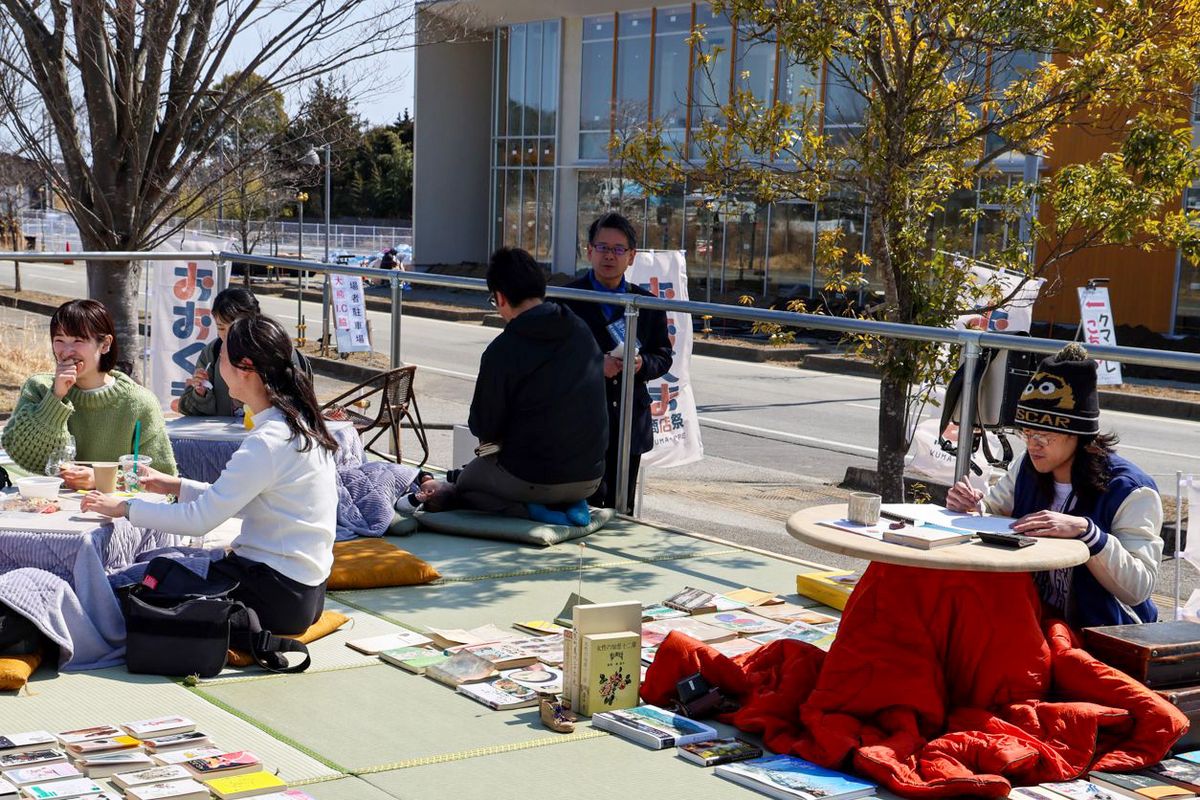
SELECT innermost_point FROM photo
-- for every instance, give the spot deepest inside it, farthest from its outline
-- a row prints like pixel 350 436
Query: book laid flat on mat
pixel 542 679
pixel 457 637
pixel 788 613
pixel 831 587
pixel 710 752
pixel 1177 771
pixel 740 622
pixel 540 627
pixel 163 774
pixel 500 694
pixel 413 659
pixel 691 600
pixel 32 758
pixel 788 777
pixel 461 668
pixel 23 742
pixel 87 734
pixel 1140 786
pixel 1081 790
pixel 546 649
pixel 168 757
pixel 656 611
pixel 161 726
pixel 104 765
pixel 75 787
pixel 43 773
pixel 168 790
pixel 235 786
pixel 797 630
pixel 653 727
pixel 693 627
pixel 176 741
pixel 502 655
pixel 237 763
pixel 372 645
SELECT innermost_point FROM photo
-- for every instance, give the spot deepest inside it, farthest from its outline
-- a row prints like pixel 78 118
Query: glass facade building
pixel 516 127
pixel 641 64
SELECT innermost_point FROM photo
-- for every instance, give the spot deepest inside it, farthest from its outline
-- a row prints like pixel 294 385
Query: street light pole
pixel 301 199
pixel 325 287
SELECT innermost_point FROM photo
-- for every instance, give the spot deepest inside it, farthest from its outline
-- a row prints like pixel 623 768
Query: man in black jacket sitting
pixel 611 240
pixel 539 398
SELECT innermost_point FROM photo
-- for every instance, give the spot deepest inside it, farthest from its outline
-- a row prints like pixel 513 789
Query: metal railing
pixel 972 342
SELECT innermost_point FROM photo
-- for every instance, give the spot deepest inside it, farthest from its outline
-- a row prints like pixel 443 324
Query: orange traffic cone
pixel 68 261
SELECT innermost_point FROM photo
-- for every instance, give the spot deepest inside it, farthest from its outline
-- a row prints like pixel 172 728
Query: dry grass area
pixel 24 350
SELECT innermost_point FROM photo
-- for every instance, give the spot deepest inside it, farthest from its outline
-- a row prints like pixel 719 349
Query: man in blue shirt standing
pixel 611 249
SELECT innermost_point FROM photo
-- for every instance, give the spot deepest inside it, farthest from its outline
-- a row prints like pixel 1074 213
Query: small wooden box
pixel 1158 654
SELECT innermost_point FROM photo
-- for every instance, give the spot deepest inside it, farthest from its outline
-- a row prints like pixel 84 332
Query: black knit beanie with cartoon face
pixel 1061 395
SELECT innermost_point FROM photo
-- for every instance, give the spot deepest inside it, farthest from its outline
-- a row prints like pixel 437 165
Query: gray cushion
pixel 402 525
pixel 509 529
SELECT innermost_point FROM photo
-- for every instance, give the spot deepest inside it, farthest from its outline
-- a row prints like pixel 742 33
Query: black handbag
pixel 18 636
pixel 180 634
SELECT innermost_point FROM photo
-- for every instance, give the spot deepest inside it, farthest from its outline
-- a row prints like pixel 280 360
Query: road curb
pixel 384 305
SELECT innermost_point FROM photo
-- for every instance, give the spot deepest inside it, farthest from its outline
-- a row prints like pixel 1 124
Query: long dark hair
pixel 269 349
pixel 1089 471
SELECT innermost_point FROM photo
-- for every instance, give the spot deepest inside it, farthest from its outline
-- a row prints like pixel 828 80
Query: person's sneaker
pixel 579 514
pixel 539 513
pixel 556 717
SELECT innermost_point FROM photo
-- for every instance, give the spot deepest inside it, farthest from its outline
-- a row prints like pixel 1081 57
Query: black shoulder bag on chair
pixel 171 631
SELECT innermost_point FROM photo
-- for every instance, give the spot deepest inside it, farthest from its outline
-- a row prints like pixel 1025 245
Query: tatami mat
pixel 464 557
pixel 113 696
pixel 507 600
pixel 375 716
pixel 596 768
pixel 330 652
pixel 345 789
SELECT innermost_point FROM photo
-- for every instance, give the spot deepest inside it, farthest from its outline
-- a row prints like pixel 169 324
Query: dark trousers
pixel 284 606
pixel 606 495
pixel 484 485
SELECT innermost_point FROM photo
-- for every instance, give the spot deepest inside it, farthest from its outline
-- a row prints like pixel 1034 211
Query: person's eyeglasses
pixel 617 250
pixel 492 299
pixel 1038 439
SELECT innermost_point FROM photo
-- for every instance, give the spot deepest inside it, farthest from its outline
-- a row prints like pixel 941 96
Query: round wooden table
pixel 973 556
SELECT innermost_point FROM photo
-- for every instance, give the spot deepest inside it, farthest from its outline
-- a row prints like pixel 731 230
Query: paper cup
pixel 106 476
pixel 864 508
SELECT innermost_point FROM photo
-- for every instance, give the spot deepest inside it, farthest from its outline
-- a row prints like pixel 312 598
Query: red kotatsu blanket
pixel 941 683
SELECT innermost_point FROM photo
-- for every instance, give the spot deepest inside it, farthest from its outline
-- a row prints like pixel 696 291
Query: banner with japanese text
pixel 673 415
pixel 181 323
pixel 350 314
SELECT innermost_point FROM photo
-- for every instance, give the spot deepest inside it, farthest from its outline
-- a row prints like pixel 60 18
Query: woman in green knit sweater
pixel 85 398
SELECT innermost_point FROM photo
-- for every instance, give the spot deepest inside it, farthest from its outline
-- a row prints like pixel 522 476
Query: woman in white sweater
pixel 281 482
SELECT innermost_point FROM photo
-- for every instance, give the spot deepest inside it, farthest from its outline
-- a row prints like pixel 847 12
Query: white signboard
pixel 350 314
pixel 1095 315
pixel 181 323
pixel 673 416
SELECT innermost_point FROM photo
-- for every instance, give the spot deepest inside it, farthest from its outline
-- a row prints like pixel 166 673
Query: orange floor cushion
pixel 329 622
pixel 15 670
pixel 373 563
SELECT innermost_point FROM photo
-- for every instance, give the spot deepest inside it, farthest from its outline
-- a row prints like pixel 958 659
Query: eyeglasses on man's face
pixel 617 250
pixel 492 299
pixel 1038 439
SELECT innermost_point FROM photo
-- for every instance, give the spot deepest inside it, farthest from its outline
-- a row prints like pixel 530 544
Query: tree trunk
pixel 116 285
pixel 893 397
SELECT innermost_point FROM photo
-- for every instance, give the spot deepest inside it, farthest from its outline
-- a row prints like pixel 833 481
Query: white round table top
pixel 973 556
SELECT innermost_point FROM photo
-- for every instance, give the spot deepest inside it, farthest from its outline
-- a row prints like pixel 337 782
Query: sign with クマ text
pixel 350 314
pixel 1095 316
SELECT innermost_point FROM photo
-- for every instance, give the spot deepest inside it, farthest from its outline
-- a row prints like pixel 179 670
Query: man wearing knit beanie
pixel 1071 484
pixel 1061 395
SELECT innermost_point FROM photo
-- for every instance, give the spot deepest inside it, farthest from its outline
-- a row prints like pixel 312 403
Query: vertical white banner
pixel 673 416
pixel 181 323
pixel 1095 315
pixel 350 314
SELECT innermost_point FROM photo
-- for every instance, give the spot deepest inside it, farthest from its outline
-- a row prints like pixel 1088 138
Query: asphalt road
pixel 775 437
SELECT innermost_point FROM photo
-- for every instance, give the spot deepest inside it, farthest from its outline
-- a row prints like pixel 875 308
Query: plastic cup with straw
pixel 131 478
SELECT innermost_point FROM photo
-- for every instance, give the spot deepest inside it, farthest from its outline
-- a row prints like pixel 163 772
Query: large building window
pixel 672 65
pixel 524 154
pixel 596 87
